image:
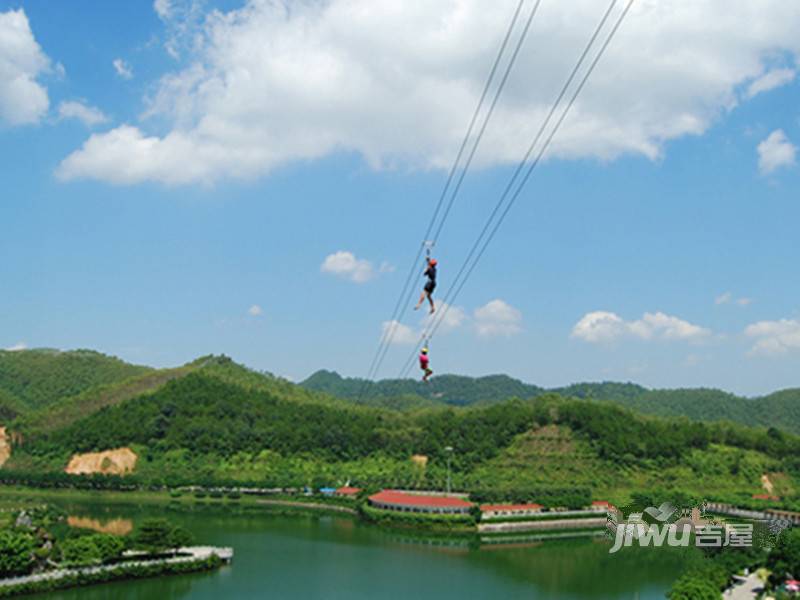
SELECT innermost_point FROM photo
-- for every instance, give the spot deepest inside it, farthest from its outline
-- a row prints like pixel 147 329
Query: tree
pixel 16 553
pixel 153 535
pixel 80 551
pixel 109 546
pixel 785 556
pixel 691 587
pixel 179 538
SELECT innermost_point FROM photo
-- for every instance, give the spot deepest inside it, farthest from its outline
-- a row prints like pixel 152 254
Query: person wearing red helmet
pixel 430 285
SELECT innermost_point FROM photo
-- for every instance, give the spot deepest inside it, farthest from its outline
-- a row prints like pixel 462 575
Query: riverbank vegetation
pixel 41 550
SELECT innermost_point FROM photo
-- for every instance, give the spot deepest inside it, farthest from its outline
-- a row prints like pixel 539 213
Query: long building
pixel 496 511
pixel 419 503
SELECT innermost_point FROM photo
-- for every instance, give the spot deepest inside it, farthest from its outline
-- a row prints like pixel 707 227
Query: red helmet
pixel 432 261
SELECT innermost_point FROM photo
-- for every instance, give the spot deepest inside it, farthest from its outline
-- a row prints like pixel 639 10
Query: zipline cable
pixel 457 285
pixel 400 306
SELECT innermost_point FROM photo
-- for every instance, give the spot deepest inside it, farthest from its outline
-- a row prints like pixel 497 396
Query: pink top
pixel 423 360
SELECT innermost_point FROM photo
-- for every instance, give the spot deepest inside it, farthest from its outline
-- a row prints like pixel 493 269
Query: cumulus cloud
pixel 774 152
pixel 88 115
pixel 396 82
pixel 723 298
pixel 603 326
pixel 774 337
pixel 122 68
pixel 449 317
pixel 23 99
pixel 345 264
pixel 255 311
pixel 770 80
pixel 497 318
pixel 399 334
pixel 17 347
pixel 163 8
pixel 727 298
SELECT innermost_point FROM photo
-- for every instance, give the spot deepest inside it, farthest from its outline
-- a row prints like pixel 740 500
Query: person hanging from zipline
pixel 430 285
pixel 424 362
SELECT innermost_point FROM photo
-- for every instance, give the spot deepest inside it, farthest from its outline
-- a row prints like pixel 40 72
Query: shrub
pixel 16 553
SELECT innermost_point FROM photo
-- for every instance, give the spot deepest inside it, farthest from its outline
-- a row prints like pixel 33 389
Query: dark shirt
pixel 430 273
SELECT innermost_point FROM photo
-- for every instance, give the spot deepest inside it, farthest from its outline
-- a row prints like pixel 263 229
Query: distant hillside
pixel 223 423
pixel 34 379
pixel 780 409
pixel 455 390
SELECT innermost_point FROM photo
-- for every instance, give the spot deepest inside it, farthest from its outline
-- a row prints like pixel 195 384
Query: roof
pixel 401 498
pixel 348 490
pixel 486 507
pixel 764 497
pixel 601 503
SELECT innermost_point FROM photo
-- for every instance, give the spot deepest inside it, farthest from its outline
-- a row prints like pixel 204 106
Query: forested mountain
pixel 780 409
pixel 213 420
pixel 222 422
pixel 456 390
pixel 34 379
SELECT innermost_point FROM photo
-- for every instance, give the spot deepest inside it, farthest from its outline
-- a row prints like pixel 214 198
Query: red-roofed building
pixel 601 506
pixel 402 501
pixel 765 497
pixel 347 492
pixel 494 511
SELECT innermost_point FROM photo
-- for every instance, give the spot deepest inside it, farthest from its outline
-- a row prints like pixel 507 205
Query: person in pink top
pixel 423 364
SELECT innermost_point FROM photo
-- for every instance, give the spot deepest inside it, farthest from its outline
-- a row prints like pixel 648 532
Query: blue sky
pixel 185 201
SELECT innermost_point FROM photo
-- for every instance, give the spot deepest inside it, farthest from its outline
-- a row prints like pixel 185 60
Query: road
pixel 746 590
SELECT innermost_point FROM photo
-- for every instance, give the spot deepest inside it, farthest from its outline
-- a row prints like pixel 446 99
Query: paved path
pixel 746 590
pixel 541 524
pixel 314 505
pixel 192 553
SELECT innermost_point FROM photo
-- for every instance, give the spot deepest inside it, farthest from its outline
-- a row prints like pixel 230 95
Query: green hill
pixel 222 422
pixel 34 379
pixel 455 390
pixel 780 410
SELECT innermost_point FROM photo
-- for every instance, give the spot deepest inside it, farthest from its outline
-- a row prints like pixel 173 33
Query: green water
pixel 319 556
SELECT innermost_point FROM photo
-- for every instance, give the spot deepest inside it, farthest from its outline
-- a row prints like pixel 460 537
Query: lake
pixel 316 556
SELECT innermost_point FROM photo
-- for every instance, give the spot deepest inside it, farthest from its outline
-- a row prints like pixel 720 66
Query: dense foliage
pixel 455 390
pixel 780 410
pixel 16 553
pixel 93 549
pixel 36 378
pixel 158 535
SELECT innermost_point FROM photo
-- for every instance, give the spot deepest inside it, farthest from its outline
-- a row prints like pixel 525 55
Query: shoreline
pixel 197 558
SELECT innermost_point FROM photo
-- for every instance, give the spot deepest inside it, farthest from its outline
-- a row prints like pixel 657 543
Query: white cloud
pixel 163 8
pixel 88 115
pixel 276 82
pixel 774 337
pixel 122 68
pixel 603 326
pixel 345 264
pixel 400 334
pixel 775 151
pixel 452 317
pixel 727 297
pixel 497 318
pixel 723 298
pixel 23 100
pixel 255 311
pixel 449 317
pixel 770 80
pixel 17 347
